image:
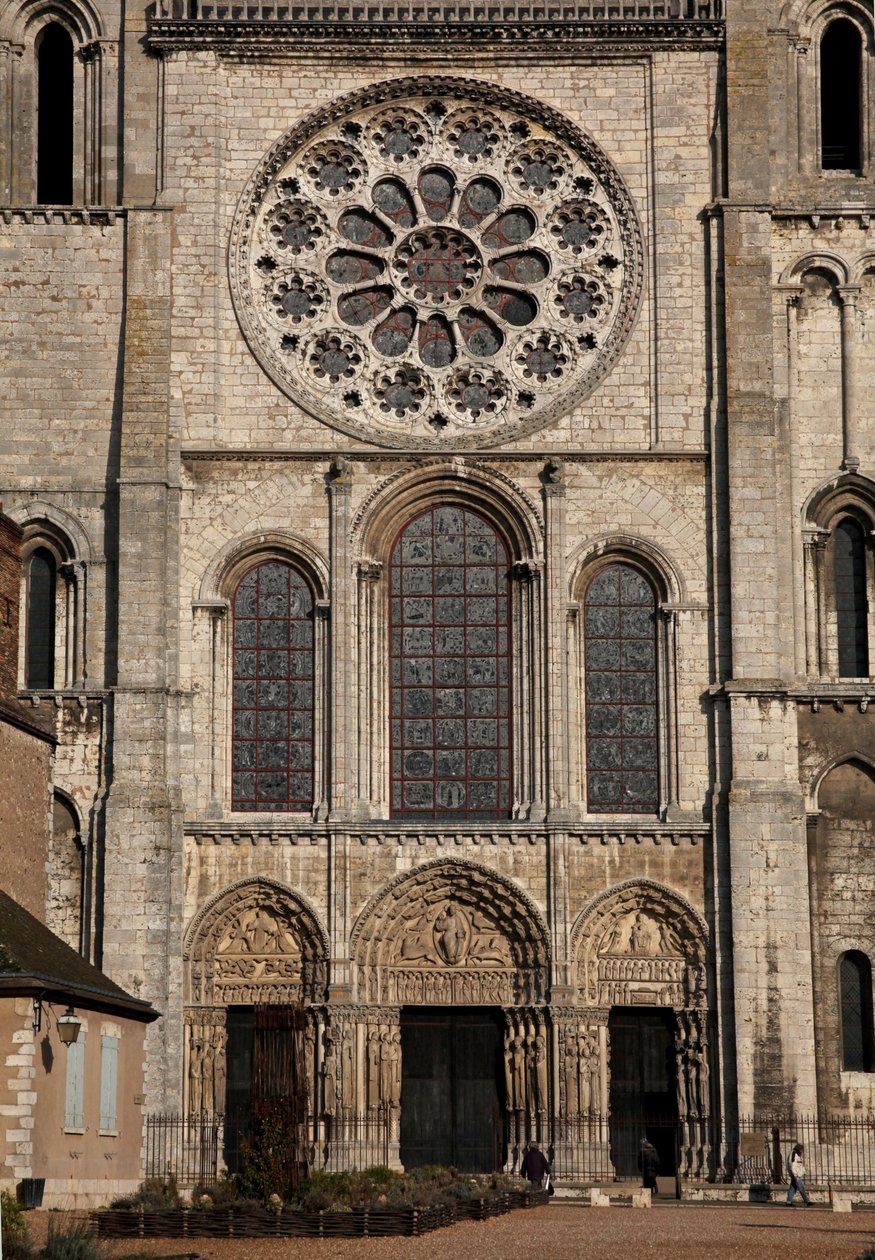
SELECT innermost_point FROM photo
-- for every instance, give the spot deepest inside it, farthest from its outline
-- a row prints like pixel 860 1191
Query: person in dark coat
pixel 648 1162
pixel 534 1166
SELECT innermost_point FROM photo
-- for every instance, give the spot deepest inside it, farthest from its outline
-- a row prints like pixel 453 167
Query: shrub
pixel 152 1194
pixel 71 1242
pixel 321 1191
pixel 220 1193
pixel 270 1160
pixel 16 1243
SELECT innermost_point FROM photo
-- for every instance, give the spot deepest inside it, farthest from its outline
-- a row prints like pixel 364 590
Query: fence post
pixel 776 1156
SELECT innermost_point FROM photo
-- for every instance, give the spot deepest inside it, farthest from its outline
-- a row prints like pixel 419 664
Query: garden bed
pixel 289 1222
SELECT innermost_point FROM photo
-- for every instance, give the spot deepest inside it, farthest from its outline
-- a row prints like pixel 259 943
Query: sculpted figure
pixel 508 1068
pixel 569 1064
pixel 413 943
pixel 329 1074
pixel 643 936
pixel 518 1056
pixel 373 1068
pixel 195 1076
pixel 540 1073
pixel 219 1067
pixel 394 1052
pixel 450 934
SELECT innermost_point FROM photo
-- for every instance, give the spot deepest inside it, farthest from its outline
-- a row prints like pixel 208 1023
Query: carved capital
pixel 370 570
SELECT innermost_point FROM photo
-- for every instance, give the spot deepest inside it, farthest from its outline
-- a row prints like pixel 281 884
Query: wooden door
pixel 451 1079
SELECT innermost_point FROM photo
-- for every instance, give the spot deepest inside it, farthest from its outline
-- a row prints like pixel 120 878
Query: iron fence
pixel 839 1150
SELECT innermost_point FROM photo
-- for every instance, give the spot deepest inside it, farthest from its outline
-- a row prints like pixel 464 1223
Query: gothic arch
pixel 654 560
pixel 45 522
pixel 451 933
pixel 400 496
pixel 640 941
pixel 20 22
pixel 832 264
pixel 859 760
pixel 230 563
pixel 850 491
pixel 256 941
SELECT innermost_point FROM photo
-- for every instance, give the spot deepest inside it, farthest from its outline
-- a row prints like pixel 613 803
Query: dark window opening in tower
pixel 840 97
pixel 40 665
pixel 855 992
pixel 54 160
pixel 852 628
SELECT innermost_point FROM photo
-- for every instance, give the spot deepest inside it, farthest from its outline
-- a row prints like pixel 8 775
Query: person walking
pixel 648 1163
pixel 796 1169
pixel 534 1166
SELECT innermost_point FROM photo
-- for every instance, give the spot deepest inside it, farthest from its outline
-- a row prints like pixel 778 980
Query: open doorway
pixel 643 1097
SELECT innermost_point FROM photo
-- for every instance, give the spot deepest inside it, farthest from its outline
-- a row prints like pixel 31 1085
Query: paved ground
pixel 559 1232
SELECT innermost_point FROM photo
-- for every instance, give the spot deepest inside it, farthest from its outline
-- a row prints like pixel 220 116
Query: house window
pixel 273 690
pixel 849 569
pixel 54 158
pixel 855 995
pixel 622 755
pixel 74 1111
pixel 450 668
pixel 41 612
pixel 108 1083
pixel 841 56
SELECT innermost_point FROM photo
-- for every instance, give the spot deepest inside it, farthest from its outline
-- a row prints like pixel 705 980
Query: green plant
pixel 321 1191
pixel 219 1193
pixel 16 1242
pixel 152 1194
pixel 271 1160
pixel 71 1242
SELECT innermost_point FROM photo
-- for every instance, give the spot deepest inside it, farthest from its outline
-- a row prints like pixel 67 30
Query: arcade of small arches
pixel 456 936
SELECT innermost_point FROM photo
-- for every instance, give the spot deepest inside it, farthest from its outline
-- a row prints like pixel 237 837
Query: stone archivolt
pixel 641 944
pixel 451 934
pixel 407 263
pixel 257 943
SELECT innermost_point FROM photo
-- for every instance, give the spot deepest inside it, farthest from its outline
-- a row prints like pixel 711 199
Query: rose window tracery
pixel 429 244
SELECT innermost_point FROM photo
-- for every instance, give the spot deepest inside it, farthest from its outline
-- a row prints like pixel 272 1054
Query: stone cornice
pixel 359 40
pixel 416 459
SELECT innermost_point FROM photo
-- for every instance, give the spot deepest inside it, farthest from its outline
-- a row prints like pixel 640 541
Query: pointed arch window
pixel 41 615
pixel 273 675
pixel 620 662
pixel 855 998
pixel 54 158
pixel 450 668
pixel 841 71
pixel 851 602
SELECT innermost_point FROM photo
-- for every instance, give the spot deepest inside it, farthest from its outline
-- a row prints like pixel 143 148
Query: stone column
pixel 340 674
pixel 849 293
pixel 371 723
pixel 558 771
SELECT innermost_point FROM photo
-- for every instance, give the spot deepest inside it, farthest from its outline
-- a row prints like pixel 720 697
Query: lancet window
pixel 273 670
pixel 450 668
pixel 620 663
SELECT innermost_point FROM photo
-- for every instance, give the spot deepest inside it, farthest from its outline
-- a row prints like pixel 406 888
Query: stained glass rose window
pixel 436 262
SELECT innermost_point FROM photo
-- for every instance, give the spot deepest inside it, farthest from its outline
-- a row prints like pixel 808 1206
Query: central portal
pixel 452 1088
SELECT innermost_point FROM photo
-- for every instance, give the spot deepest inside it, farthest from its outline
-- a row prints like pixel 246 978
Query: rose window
pixel 458 265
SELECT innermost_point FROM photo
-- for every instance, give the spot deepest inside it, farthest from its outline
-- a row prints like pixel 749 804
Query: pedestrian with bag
pixel 796 1171
pixel 648 1164
pixel 535 1168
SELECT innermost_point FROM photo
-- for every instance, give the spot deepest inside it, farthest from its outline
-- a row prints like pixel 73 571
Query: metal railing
pixel 839 1150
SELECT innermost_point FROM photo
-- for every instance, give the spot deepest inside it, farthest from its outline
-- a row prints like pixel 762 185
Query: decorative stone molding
pixel 479 264
pixel 452 933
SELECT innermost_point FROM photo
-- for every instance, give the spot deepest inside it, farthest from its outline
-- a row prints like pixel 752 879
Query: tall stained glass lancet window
pixel 450 708
pixel 622 753
pixel 852 614
pixel 273 691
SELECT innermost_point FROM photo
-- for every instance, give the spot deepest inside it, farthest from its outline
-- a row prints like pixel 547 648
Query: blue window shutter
pixel 74 1111
pixel 108 1079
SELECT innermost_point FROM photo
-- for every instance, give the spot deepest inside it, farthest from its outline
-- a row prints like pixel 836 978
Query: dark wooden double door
pixel 643 1088
pixel 452 1088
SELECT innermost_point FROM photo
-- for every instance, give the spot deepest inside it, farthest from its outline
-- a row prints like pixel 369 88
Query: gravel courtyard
pixel 676 1232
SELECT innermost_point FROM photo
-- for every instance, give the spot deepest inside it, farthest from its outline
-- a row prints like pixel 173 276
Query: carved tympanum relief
pixel 256 944
pixel 451 934
pixel 641 945
pixel 436 261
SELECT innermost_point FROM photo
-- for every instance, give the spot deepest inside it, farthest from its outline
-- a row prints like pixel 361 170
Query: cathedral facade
pixel 440 436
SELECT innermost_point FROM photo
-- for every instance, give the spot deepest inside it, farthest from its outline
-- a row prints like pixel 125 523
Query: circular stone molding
pixel 436 262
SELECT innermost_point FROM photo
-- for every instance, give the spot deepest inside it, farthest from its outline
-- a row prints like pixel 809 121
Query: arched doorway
pixel 641 951
pixel 455 959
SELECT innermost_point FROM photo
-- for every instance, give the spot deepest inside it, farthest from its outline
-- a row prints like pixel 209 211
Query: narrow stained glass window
pixel 273 690
pixel 855 985
pixel 841 53
pixel 852 629
pixel 41 580
pixel 621 708
pixel 450 668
